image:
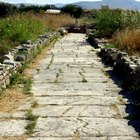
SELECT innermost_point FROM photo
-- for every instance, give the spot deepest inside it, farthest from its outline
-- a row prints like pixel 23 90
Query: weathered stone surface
pixel 75 111
pixel 93 127
pixel 70 138
pixel 75 96
pixel 79 100
pixel 12 127
pixel 20 58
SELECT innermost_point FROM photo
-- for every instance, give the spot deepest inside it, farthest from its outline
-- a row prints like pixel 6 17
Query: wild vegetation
pixel 7 9
pixel 19 28
pixel 73 10
pixel 121 26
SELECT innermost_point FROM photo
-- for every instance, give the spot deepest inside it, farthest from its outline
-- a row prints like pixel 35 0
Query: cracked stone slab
pixel 77 86
pixel 79 100
pixel 70 138
pixel 12 128
pixel 75 111
pixel 123 138
pixel 19 114
pixel 93 127
pixel 42 91
pixel 94 109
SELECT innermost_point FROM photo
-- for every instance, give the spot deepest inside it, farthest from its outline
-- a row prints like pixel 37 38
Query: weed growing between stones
pixel 51 61
pixel 57 76
pixel 34 104
pixel 32 122
pixel 83 77
pixel 24 82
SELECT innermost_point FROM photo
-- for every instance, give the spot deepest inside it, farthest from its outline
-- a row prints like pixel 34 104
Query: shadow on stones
pixel 132 108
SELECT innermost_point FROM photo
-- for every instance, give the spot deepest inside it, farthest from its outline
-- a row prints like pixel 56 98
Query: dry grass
pixel 55 21
pixel 24 137
pixel 15 30
pixel 11 100
pixel 128 39
pixel 52 21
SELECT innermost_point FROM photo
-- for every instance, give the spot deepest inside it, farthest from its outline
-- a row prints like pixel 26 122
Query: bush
pixel 73 10
pixel 109 21
pixel 15 30
pixel 127 39
pixel 7 9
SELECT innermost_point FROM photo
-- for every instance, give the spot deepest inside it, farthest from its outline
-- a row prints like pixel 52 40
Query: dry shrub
pixel 51 21
pixel 127 39
pixel 15 30
pixel 11 100
pixel 56 21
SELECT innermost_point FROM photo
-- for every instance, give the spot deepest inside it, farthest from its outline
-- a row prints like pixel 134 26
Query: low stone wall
pixel 22 54
pixel 125 66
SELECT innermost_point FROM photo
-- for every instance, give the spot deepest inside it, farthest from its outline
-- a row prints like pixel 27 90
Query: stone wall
pixel 22 54
pixel 125 66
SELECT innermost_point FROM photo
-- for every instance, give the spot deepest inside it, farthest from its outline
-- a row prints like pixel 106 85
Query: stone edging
pixel 125 66
pixel 22 54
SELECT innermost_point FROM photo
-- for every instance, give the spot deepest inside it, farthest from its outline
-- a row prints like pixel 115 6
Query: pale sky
pixel 43 1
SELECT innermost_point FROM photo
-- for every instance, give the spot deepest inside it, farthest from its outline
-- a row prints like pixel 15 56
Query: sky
pixel 45 1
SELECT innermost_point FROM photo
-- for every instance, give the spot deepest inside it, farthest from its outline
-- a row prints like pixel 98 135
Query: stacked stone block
pixel 19 55
pixel 124 65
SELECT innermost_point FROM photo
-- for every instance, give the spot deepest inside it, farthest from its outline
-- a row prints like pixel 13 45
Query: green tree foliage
pixel 7 9
pixel 35 8
pixel 109 21
pixel 73 10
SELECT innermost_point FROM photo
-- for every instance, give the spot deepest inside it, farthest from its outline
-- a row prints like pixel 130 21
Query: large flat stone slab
pixel 79 100
pixel 76 111
pixel 12 128
pixel 68 106
pixel 43 91
pixel 70 138
pixel 77 86
pixel 89 127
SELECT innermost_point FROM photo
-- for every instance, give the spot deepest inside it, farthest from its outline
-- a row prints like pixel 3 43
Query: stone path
pixel 75 98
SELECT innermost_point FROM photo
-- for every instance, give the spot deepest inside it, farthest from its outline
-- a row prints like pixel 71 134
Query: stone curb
pixel 125 66
pixel 22 54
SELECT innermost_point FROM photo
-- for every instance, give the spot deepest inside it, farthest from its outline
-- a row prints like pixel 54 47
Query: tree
pixel 7 9
pixel 73 10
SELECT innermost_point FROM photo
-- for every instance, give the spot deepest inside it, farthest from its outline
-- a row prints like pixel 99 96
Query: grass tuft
pixel 15 30
pixel 128 39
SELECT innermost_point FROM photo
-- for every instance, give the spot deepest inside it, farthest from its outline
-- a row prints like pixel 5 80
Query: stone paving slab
pixel 81 138
pixel 77 86
pixel 93 127
pixel 42 91
pixel 12 128
pixel 76 111
pixel 76 98
pixel 87 138
pixel 79 100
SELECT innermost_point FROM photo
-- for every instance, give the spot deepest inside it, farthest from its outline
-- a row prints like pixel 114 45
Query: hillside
pixel 123 4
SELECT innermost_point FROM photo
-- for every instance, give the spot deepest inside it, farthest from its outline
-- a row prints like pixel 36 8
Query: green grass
pixel 32 122
pixel 30 116
pixel 19 78
pixel 30 127
pixel 110 46
pixel 108 21
pixel 16 30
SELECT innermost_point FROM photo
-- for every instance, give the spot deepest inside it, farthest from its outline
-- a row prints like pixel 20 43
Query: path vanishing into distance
pixel 74 98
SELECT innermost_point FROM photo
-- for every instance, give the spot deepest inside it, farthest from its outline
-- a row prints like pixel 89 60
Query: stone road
pixel 76 99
